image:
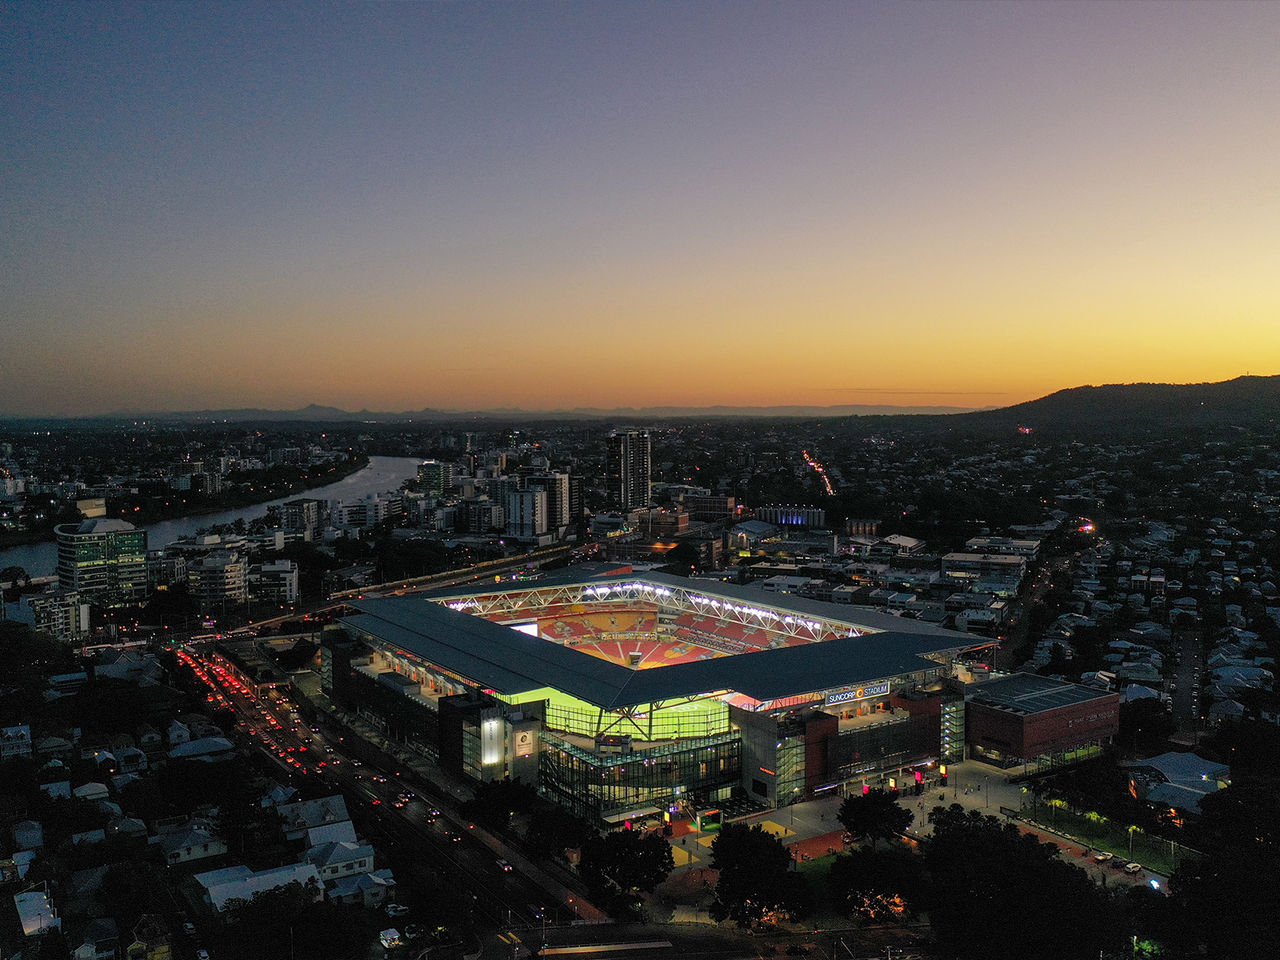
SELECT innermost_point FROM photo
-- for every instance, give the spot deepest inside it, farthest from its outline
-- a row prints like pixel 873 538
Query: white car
pixel 1133 868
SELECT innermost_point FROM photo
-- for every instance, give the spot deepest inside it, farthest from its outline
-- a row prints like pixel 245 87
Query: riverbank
pixel 37 542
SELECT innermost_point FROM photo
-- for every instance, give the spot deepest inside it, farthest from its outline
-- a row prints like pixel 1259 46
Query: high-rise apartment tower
pixel 627 468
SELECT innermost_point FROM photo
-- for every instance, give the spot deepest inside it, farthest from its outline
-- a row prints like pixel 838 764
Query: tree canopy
pixel 997 892
pixel 1228 898
pixel 496 801
pixel 618 866
pixel 875 815
pixel 879 885
pixel 756 883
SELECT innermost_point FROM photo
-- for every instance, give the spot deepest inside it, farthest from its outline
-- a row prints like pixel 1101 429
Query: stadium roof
pixel 589 574
pixel 500 658
pixel 1026 693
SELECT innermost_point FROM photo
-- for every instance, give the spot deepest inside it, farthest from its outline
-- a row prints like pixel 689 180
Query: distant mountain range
pixel 1113 408
pixel 315 413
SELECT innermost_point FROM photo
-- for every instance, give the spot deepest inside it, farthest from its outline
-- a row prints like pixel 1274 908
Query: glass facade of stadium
pixel 613 788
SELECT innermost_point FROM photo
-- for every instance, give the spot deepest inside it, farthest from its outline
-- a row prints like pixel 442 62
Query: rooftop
pixel 1026 693
pixel 493 656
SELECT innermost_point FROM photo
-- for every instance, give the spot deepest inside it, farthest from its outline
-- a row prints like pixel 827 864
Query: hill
pixel 1137 408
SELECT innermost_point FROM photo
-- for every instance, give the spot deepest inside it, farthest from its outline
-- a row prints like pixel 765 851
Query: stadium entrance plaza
pixel 811 829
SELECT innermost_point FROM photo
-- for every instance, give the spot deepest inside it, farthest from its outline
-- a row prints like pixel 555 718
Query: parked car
pixel 1103 857
pixel 1133 868
pixel 395 910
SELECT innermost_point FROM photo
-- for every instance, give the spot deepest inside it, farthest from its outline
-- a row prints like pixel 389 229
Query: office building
pixel 104 561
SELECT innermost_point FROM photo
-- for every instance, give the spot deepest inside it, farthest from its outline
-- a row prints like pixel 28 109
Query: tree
pixel 496 801
pixel 129 889
pixel 875 815
pixel 879 885
pixel 1228 897
pixel 756 883
pixel 994 891
pixel 553 829
pixel 620 865
pixel 18 578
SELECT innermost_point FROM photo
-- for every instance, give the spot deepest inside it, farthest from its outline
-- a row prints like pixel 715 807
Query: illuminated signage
pixel 858 693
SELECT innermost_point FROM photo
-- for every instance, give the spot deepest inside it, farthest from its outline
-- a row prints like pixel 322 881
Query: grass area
pixel 1097 831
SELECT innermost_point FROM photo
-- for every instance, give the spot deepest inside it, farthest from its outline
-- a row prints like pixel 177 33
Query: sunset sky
pixel 469 205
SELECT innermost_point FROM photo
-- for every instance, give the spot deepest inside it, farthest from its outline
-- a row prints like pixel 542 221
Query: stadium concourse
pixel 625 695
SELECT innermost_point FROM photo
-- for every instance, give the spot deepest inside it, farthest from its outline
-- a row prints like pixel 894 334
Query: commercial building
pixel 628 469
pixel 556 486
pixel 104 561
pixel 1024 717
pixel 998 573
pixel 619 693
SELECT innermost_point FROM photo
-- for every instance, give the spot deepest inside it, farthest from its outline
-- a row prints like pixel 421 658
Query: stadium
pixel 621 694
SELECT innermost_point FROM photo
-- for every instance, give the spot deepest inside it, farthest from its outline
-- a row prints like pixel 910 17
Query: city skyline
pixel 546 207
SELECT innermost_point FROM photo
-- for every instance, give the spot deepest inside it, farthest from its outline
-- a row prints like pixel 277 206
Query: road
pixel 424 832
pixel 1012 651
pixel 1186 695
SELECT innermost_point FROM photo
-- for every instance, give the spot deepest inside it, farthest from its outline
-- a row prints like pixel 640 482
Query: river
pixel 381 474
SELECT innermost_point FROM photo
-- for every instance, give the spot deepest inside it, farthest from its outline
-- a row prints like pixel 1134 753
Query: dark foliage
pixel 496 801
pixel 552 830
pixel 997 892
pixel 756 882
pixel 879 885
pixel 618 866
pixel 875 815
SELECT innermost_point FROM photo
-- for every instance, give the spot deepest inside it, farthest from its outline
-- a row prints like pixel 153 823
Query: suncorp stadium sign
pixel 858 693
